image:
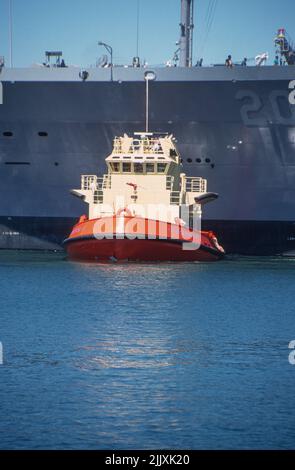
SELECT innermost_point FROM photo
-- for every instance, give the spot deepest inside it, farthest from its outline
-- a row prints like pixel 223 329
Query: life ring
pixel 124 211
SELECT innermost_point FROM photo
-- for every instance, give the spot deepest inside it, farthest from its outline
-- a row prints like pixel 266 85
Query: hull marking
pixel 292 93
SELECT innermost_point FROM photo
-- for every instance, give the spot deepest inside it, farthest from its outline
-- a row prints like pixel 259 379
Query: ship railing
pixel 117 145
pixel 144 146
pixel 174 198
pixel 89 182
pixel 104 182
pixel 195 185
pixel 98 197
pixel 95 183
pixel 169 182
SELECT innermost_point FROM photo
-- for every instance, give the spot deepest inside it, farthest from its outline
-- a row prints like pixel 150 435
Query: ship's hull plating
pixel 235 128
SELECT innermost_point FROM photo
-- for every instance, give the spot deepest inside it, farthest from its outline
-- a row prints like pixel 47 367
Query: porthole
pixel 198 160
pixel 56 163
pixel 207 160
pixel 189 160
pixel 7 134
pixel 43 134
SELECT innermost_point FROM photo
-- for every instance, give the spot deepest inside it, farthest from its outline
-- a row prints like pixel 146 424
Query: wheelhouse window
pixel 115 166
pixel 138 168
pixel 161 167
pixel 150 168
pixel 126 167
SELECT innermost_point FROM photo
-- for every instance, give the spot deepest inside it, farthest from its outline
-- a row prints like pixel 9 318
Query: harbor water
pixel 146 356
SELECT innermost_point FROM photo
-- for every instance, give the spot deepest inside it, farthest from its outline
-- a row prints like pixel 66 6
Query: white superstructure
pixel 144 177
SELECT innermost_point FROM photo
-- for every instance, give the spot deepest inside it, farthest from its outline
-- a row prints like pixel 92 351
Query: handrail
pixel 196 184
pixel 174 197
pixel 144 146
pixel 95 183
pixel 169 182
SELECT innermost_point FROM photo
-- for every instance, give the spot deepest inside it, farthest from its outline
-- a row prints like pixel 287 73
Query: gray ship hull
pixel 234 127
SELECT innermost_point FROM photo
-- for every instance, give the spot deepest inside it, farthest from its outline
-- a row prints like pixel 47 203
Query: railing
pixel 89 182
pixel 169 182
pixel 95 183
pixel 117 145
pixel 98 197
pixel 105 182
pixel 174 197
pixel 195 185
pixel 144 146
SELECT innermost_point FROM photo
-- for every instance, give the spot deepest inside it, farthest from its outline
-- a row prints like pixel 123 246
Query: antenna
pixel 10 33
pixel 191 26
pixel 148 76
pixel 137 29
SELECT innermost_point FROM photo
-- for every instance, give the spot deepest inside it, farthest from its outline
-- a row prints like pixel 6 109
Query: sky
pixel 240 28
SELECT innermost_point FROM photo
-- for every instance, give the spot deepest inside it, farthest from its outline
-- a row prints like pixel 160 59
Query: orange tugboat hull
pixel 137 239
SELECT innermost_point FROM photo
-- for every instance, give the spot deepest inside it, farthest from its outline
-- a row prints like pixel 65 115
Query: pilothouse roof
pixel 145 146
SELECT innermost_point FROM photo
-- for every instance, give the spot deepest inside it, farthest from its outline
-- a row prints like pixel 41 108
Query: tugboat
pixel 144 208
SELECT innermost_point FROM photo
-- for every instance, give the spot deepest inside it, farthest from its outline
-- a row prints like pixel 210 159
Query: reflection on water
pixel 143 353
pixel 146 355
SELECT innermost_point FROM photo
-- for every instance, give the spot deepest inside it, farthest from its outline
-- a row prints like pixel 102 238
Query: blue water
pixel 128 356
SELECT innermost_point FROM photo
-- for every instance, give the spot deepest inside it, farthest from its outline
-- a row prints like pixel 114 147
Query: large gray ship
pixel 235 127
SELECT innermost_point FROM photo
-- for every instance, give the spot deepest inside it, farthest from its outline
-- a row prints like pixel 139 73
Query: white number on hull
pixel 248 110
pixel 1 93
pixel 254 113
pixel 292 93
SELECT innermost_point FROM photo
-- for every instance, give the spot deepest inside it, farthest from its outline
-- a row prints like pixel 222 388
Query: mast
pixel 186 33
pixel 10 34
pixel 137 29
pixel 148 76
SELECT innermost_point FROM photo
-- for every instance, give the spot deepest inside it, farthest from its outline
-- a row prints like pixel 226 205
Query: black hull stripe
pixel 250 238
